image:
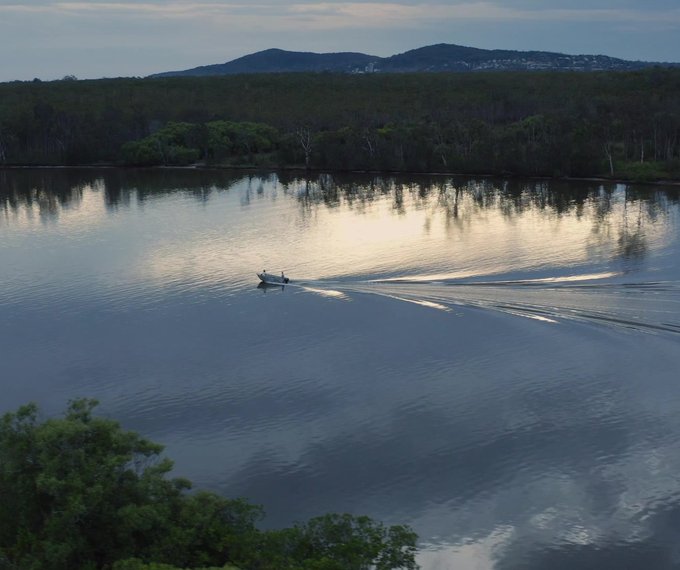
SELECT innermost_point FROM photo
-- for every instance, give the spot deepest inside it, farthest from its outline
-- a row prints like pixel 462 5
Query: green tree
pixel 136 564
pixel 79 492
pixel 336 542
pixel 245 139
pixel 175 144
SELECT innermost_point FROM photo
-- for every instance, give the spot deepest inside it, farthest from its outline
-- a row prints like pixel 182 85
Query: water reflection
pixel 417 229
pixel 625 210
pixel 54 189
pixel 632 240
pixel 31 190
pixel 267 287
pixel 494 362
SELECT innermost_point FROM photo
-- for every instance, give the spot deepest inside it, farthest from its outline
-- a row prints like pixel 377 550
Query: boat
pixel 273 279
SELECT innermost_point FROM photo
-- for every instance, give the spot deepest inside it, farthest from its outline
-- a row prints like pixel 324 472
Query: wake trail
pixel 652 307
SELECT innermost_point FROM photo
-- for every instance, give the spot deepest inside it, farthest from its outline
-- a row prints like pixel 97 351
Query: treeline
pixel 622 125
pixel 80 493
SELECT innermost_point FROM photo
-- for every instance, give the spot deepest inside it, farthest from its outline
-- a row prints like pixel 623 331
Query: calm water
pixel 493 362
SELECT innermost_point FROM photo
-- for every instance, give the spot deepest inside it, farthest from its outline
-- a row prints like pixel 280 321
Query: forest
pixel 81 493
pixel 620 125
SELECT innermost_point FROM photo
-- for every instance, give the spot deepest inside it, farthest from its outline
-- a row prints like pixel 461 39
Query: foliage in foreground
pixel 79 492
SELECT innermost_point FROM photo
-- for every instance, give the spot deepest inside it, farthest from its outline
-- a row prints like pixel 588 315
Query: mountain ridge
pixel 434 58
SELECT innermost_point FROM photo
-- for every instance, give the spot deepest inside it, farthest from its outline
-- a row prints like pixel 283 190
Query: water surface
pixel 493 362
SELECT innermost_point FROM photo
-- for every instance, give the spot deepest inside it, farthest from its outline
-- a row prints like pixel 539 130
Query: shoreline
pixel 200 167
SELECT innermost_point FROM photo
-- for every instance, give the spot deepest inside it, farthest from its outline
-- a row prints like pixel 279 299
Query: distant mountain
pixel 281 61
pixel 448 57
pixel 439 57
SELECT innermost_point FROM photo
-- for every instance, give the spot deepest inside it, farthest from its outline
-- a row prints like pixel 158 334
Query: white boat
pixel 273 279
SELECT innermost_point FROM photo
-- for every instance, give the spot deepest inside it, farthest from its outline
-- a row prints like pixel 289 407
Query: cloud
pixel 382 14
pixel 331 15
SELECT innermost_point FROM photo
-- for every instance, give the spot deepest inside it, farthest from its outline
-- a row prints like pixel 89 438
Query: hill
pixel 436 58
pixel 282 61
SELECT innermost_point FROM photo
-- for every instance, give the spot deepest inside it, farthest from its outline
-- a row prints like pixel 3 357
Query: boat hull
pixel 272 279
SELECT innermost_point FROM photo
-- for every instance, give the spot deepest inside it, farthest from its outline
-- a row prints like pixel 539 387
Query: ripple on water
pixel 465 356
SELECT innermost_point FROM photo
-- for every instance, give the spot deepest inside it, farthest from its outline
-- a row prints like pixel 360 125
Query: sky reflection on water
pixel 493 362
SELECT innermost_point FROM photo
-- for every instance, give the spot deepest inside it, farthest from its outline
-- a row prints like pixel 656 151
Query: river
pixel 494 362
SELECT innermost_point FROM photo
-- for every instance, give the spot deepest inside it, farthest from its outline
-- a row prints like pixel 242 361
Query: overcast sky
pixel 91 39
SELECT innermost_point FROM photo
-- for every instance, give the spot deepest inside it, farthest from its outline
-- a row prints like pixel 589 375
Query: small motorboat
pixel 273 279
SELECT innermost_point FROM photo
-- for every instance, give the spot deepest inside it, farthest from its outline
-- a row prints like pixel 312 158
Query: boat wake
pixel 590 299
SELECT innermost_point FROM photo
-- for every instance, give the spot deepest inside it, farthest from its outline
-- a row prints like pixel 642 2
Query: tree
pixel 306 139
pixel 337 542
pixel 81 492
pixel 358 542
pixel 219 141
pixel 63 483
pixel 538 123
pixel 174 144
pixel 136 564
pixel 3 146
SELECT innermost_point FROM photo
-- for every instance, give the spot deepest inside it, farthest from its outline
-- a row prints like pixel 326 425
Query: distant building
pixel 370 68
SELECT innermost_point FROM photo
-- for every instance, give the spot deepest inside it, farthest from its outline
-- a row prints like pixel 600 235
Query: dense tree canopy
pixel 79 492
pixel 550 124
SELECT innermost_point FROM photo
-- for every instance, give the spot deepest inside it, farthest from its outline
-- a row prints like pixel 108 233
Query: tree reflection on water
pixel 621 212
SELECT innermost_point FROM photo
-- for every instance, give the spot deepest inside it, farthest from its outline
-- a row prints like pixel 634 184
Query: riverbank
pixel 316 171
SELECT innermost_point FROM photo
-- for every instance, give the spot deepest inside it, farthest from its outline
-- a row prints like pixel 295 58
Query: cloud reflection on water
pixel 508 443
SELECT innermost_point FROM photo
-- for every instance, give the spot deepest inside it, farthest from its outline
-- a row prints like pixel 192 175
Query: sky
pixel 114 38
